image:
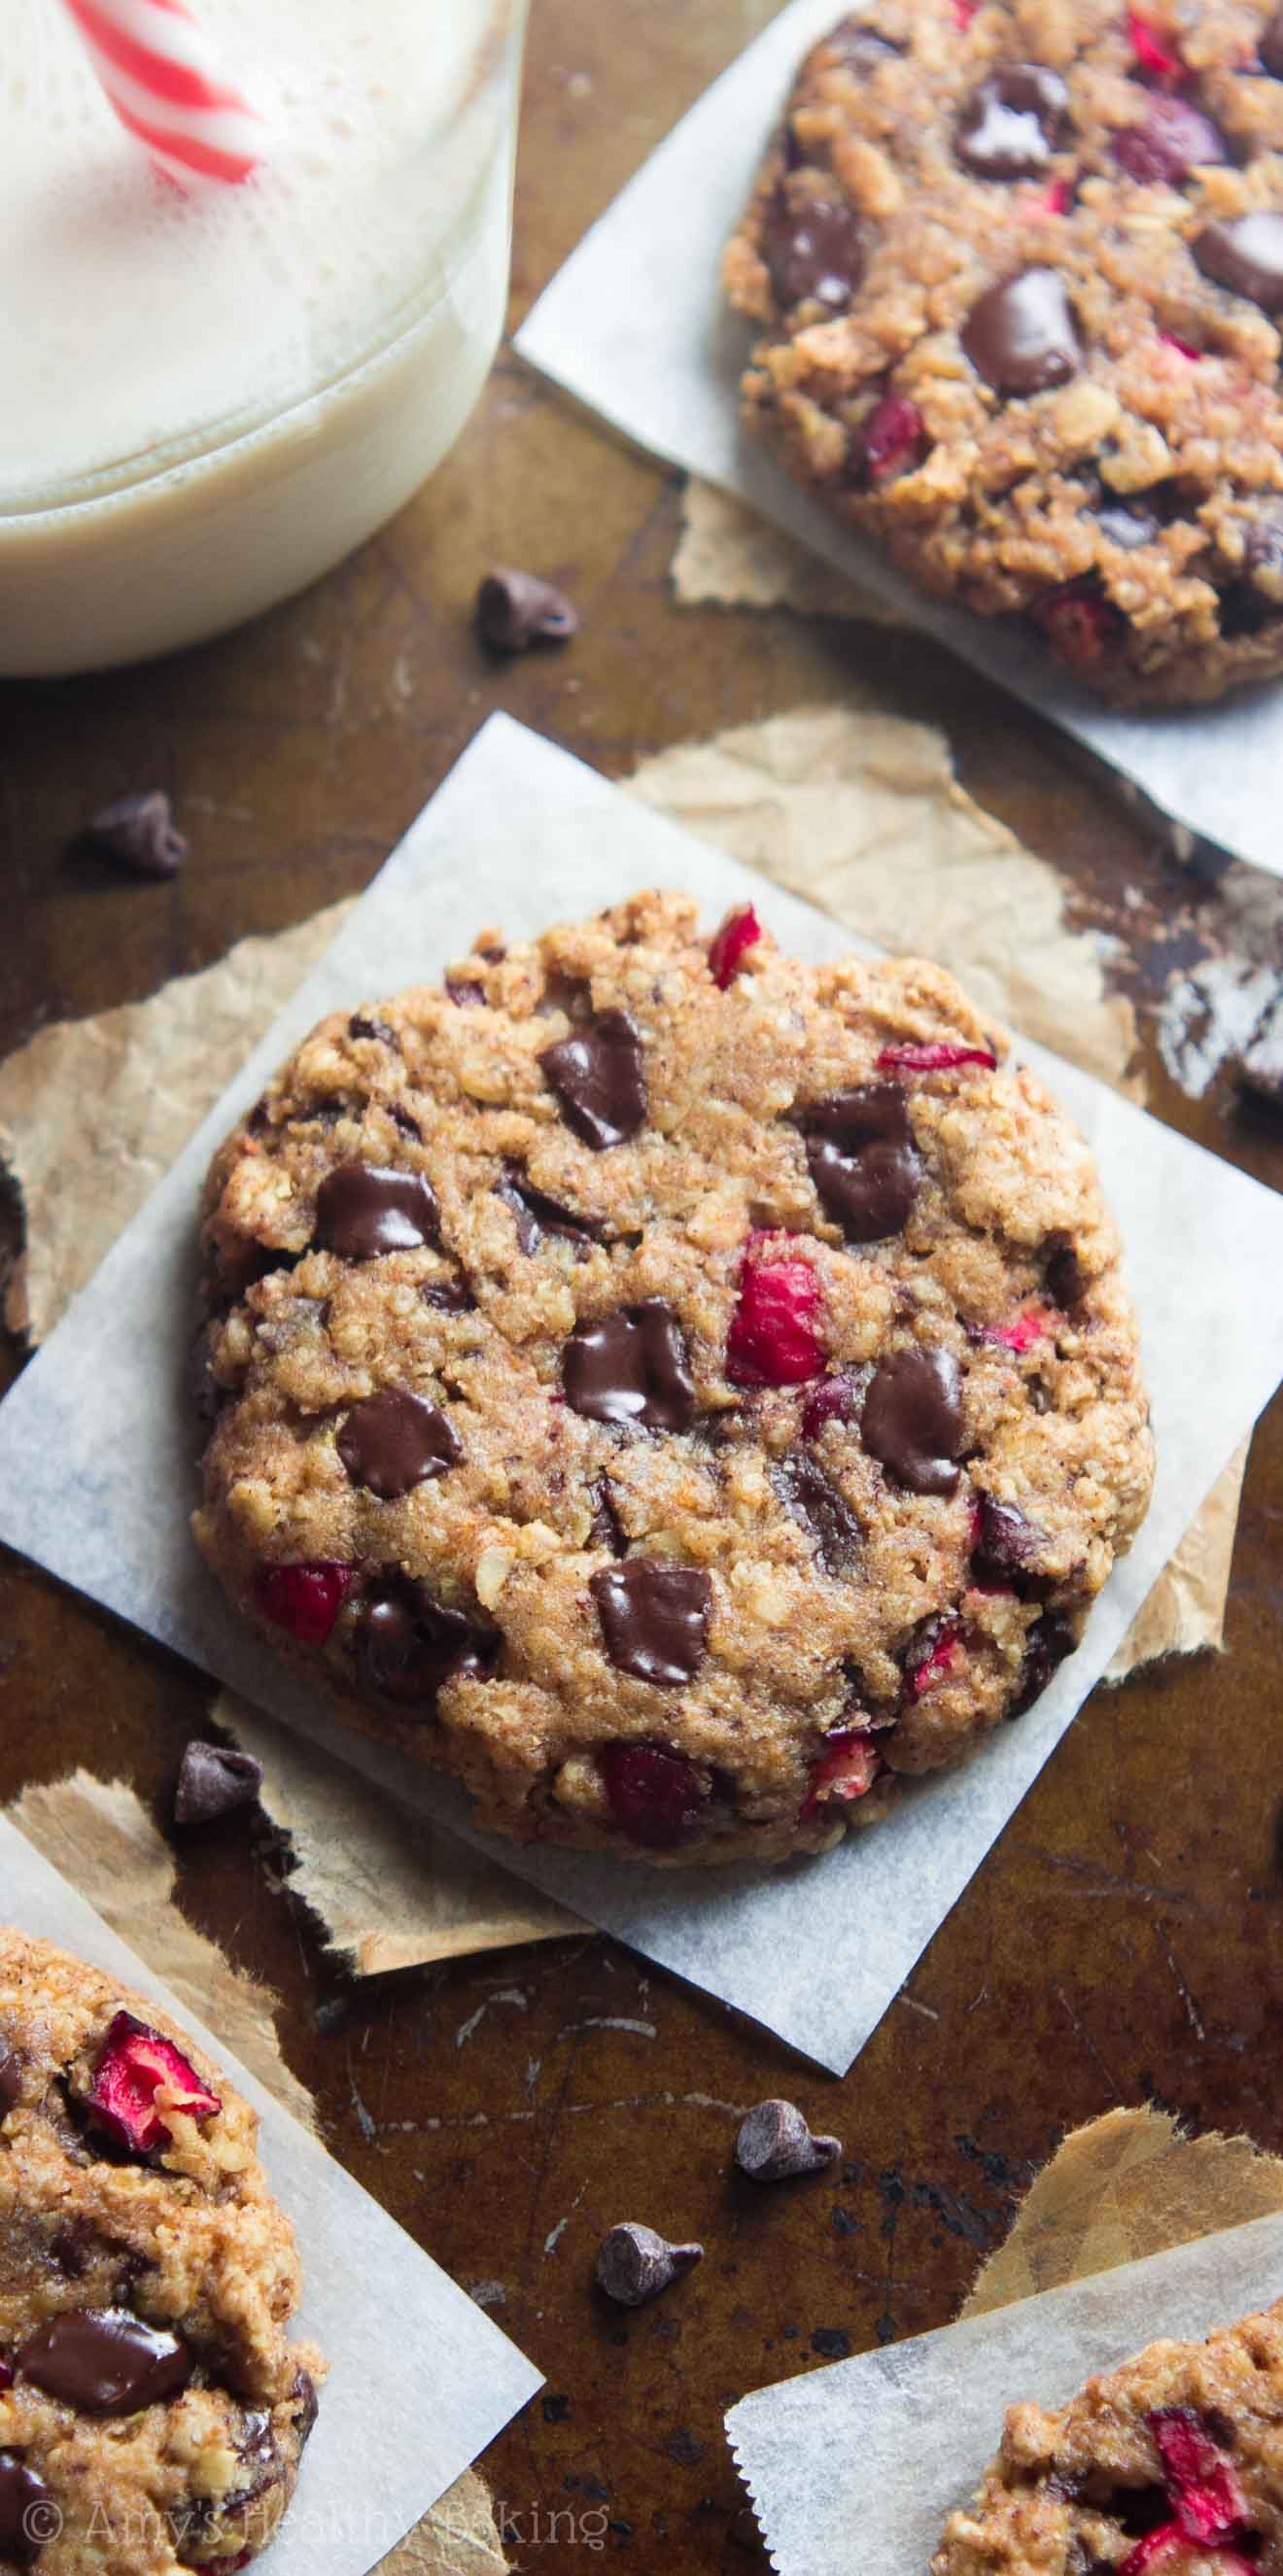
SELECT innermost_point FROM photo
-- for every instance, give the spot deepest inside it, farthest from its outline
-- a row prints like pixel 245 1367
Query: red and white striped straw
pixel 167 85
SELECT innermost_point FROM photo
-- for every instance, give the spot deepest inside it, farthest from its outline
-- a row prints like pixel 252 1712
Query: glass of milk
pixel 210 397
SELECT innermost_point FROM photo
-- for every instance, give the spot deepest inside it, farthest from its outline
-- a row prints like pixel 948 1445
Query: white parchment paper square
pixel 420 2378
pixel 98 1476
pixel 857 2465
pixel 636 325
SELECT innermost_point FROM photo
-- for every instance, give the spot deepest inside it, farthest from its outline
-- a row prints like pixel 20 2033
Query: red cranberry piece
pixel 1172 138
pixel 939 1056
pixel 1080 624
pixel 1166 2539
pixel 1184 348
pixel 1153 52
pixel 1033 1325
pixel 933 1652
pixel 895 439
pixel 1054 200
pixel 963 12
pixel 657 1796
pixel 306 1598
pixel 1209 2503
pixel 844 1769
pixel 835 1399
pixel 740 931
pixel 135 2062
pixel 773 1339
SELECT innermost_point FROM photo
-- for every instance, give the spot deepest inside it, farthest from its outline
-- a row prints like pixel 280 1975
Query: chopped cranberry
pixel 136 2063
pixel 1080 624
pixel 1150 50
pixel 1208 2501
pixel 1172 138
pixel 1156 2544
pixel 773 1339
pixel 895 438
pixel 1184 348
pixel 933 1653
pixel 963 13
pixel 1054 200
pixel 740 931
pixel 845 1767
pixel 1033 1325
pixel 835 1399
pixel 938 1057
pixel 306 1598
pixel 657 1796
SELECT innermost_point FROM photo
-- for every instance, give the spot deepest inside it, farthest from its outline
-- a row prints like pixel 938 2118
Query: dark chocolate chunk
pixel 516 609
pixel 1011 123
pixel 213 1780
pixel 535 1214
pixel 1050 1639
pixel 305 2398
pixel 654 1618
pixel 815 252
pixel 606 1528
pixel 361 1027
pixel 775 2143
pixel 405 1124
pixel 634 2264
pixel 450 1296
pixel 28 2516
pixel 1020 335
pixel 1172 138
pixel 1245 254
pixel 394 1441
pixel 631 1367
pixel 1263 560
pixel 1271 46
pixel 10 2078
pixel 105 2361
pixel 814 1501
pixel 861 1157
pixel 599 1078
pixel 1063 1275
pixel 466 996
pixel 364 1210
pixel 1008 1545
pixel 407 1645
pixel 912 1419
pixel 139 831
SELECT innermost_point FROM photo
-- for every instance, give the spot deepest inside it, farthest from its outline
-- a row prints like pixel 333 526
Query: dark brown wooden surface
pixel 1122 1943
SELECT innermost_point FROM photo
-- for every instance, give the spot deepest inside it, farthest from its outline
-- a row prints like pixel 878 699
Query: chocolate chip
pixel 606 1528
pixel 408 1645
pixel 775 2143
pixel 1219 2426
pixel 364 1210
pixel 403 1122
pixel 654 1618
pixel 516 609
pixel 104 2361
pixel 632 1366
pixel 213 1780
pixel 535 1214
pixel 449 1296
pixel 1172 138
pixel 1063 1275
pixel 394 1441
pixel 858 48
pixel 634 2264
pixel 599 1078
pixel 815 252
pixel 360 1027
pixel 1271 46
pixel 139 831
pixel 912 1419
pixel 861 1158
pixel 1245 255
pixel 465 996
pixel 1127 528
pixel 10 2078
pixel 1263 560
pixel 815 1502
pixel 305 2398
pixel 1008 1545
pixel 1011 122
pixel 25 2520
pixel 1050 1639
pixel 1020 336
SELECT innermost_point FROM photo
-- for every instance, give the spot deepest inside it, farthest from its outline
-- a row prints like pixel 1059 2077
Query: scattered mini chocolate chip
pixel 631 1366
pixel 394 1441
pixel 1011 123
pixel 364 1210
pixel 25 2518
pixel 10 2078
pixel 775 2143
pixel 913 1420
pixel 654 1618
pixel 599 1078
pixel 1245 254
pixel 634 2264
pixel 516 609
pixel 833 2343
pixel 815 252
pixel 213 1780
pixel 1020 335
pixel 140 832
pixel 105 2361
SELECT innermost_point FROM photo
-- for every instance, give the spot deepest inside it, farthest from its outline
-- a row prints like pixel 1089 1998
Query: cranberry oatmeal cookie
pixel 152 2409
pixel 679 1389
pixel 1172 2463
pixel 1019 268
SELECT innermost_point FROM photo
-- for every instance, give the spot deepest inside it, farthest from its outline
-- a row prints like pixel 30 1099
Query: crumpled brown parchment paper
pixel 857 810
pixel 101 1838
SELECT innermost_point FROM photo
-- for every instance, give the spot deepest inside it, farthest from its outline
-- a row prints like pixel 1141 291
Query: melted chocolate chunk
pixel 861 1158
pixel 606 1528
pixel 1062 1271
pixel 1020 335
pixel 1007 1549
pixel 451 1296
pixel 599 1078
pixel 815 253
pixel 361 1027
pixel 1011 123
pixel 395 1441
pixel 631 1367
pixel 104 2361
pixel 24 2520
pixel 10 2078
pixel 364 1210
pixel 1245 255
pixel 654 1618
pixel 1271 46
pixel 912 1419
pixel 1050 1639
pixel 535 1214
pixel 816 1504
pixel 408 1645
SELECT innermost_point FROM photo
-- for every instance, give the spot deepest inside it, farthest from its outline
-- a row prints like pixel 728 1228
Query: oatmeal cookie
pixel 1019 271
pixel 1173 2462
pixel 152 2409
pixel 678 1389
